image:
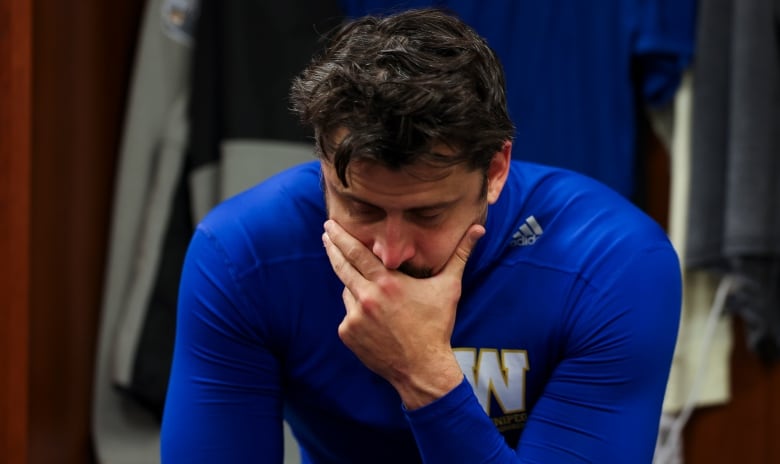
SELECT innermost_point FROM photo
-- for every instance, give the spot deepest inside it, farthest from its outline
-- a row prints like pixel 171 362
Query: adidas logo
pixel 527 233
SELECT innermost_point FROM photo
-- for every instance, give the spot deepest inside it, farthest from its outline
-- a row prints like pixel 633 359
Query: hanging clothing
pixel 229 128
pixel 124 432
pixel 696 358
pixel 577 72
pixel 701 366
pixel 734 220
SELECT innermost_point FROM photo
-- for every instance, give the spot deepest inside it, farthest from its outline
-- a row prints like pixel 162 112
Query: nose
pixel 393 243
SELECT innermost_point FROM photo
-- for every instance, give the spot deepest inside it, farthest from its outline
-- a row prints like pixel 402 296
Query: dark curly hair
pixel 400 84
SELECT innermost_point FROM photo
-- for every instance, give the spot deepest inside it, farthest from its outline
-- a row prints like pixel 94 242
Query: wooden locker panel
pixel 83 53
pixel 15 135
pixel 64 70
pixel 747 428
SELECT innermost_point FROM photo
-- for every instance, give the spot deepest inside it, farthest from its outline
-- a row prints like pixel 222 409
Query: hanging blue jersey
pixel 564 332
pixel 577 72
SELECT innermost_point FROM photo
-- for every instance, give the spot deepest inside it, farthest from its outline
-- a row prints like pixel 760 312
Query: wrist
pixel 424 388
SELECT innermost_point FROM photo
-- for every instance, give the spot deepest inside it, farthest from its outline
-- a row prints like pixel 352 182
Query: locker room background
pixel 64 80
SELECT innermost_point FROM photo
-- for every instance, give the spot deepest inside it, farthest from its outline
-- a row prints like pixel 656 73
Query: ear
pixel 498 172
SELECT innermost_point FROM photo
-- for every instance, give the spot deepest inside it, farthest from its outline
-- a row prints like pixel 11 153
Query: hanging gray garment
pixel 123 432
pixel 244 56
pixel 734 220
pixel 757 302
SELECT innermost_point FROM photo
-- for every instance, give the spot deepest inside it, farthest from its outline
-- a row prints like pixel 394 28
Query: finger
pixel 457 262
pixel 349 300
pixel 354 252
pixel 348 275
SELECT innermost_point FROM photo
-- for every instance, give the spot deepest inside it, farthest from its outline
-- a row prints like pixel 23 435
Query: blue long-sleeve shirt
pixel 564 332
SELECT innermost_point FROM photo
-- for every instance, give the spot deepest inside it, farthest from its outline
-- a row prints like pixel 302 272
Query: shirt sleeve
pixel 224 397
pixel 603 401
pixel 663 47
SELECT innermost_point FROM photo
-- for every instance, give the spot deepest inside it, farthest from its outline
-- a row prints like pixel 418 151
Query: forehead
pixel 434 174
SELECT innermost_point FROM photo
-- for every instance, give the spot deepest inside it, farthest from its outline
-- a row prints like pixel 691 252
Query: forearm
pixel 219 406
pixel 454 428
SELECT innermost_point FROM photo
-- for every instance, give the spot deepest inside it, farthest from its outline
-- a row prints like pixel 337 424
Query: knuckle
pixel 367 301
pixel 344 332
pixel 352 253
pixel 387 283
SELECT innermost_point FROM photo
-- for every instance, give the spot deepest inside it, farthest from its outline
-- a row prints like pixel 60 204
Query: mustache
pixel 415 271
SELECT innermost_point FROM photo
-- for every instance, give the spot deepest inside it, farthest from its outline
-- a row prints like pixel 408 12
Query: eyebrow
pixel 355 199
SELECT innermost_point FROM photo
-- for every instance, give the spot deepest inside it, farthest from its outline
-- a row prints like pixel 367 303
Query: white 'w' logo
pixel 503 378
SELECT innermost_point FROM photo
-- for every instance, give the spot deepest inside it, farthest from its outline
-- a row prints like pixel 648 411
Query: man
pixel 458 307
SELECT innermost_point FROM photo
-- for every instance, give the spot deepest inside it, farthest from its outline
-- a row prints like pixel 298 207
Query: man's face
pixel 411 219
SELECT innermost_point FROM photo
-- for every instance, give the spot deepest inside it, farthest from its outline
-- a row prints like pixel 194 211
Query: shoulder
pixel 579 225
pixel 278 218
pixel 622 271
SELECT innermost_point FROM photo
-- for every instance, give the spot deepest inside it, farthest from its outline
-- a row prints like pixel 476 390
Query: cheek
pixel 441 245
pixel 361 232
pixel 435 249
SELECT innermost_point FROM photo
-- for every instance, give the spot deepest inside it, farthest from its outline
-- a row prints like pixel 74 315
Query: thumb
pixel 457 262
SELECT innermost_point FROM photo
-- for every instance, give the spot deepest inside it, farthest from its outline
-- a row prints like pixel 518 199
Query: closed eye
pixel 364 211
pixel 427 216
